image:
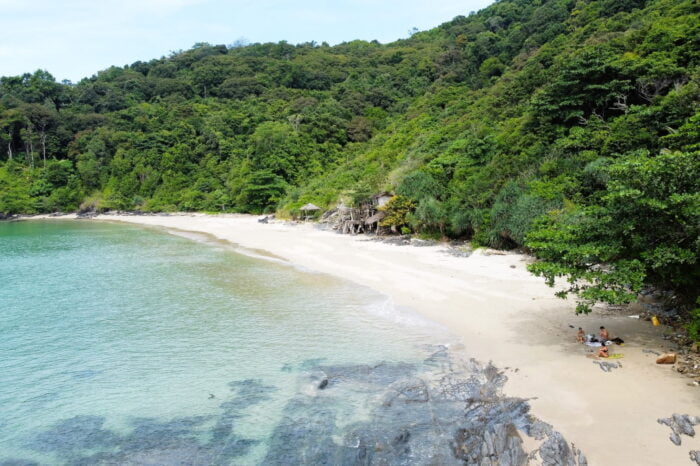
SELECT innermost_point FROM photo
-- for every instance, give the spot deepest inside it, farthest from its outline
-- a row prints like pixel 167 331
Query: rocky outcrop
pixel 441 412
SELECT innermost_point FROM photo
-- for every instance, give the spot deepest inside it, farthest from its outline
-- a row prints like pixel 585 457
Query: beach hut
pixel 307 210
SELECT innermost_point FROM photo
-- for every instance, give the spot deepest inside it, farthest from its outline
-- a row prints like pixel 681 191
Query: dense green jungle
pixel 570 128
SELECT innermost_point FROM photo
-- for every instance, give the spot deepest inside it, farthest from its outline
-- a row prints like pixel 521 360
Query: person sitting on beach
pixel 603 351
pixel 581 335
pixel 604 334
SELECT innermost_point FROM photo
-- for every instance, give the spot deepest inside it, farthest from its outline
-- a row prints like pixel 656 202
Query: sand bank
pixel 505 315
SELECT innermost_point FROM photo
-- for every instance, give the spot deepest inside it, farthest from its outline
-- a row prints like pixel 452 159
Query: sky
pixel 73 39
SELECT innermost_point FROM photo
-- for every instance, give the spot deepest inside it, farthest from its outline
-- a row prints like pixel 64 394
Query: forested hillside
pixel 569 127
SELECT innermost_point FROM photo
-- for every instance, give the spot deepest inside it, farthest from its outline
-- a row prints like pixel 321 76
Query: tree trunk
pixel 43 146
pixel 9 145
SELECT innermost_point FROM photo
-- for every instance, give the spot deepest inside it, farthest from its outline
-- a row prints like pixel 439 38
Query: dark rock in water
pixel 82 440
pixel 236 447
pixel 74 434
pixel 251 391
pixel 442 411
pixel 402 438
pixel 414 390
pixel 287 368
pixel 428 414
pixel 248 392
pixel 304 437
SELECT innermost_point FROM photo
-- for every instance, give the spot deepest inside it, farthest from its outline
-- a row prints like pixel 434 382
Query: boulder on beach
pixel 666 358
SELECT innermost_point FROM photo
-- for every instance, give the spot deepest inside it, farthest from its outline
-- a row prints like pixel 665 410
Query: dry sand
pixel 505 315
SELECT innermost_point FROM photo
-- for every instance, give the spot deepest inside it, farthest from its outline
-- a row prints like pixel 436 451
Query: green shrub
pixel 429 215
pixel 397 210
pixel 512 215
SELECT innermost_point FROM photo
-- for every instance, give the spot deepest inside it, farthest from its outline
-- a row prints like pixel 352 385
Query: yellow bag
pixel 655 321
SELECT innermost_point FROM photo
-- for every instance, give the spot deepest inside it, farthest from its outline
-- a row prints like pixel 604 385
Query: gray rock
pixel 675 439
pixel 685 426
pixel 555 451
pixel 606 366
pixel 422 242
pixel 695 456
pixel 680 424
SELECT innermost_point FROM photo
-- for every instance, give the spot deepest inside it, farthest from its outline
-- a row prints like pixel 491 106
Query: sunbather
pixel 603 351
pixel 604 334
pixel 581 335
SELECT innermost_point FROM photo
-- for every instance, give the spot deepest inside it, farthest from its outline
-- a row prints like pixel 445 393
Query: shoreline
pixel 504 315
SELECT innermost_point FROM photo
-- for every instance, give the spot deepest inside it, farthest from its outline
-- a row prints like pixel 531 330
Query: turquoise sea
pixel 127 345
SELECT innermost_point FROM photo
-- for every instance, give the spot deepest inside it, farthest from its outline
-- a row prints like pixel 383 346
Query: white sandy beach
pixel 505 315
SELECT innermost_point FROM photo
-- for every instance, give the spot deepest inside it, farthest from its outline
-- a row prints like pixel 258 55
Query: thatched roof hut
pixel 308 210
pixel 309 207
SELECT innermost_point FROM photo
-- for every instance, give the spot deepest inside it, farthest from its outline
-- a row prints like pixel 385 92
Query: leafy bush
pixel 513 213
pixel 397 210
pixel 419 185
pixel 429 215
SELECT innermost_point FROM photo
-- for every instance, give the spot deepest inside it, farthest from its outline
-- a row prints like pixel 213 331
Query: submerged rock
pixel 422 414
pixel 442 411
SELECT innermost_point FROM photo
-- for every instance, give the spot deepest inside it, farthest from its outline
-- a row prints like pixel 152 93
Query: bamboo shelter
pixel 307 210
pixel 364 218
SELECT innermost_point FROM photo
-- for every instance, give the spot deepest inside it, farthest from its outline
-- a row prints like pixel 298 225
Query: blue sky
pixel 73 39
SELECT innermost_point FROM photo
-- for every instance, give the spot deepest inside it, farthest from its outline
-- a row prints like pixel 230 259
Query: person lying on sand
pixel 603 351
pixel 604 334
pixel 581 335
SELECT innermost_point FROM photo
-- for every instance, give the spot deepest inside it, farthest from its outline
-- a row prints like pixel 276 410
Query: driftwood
pixel 354 220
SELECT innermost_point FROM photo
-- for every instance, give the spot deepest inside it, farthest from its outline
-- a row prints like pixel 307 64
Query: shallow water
pixel 124 344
